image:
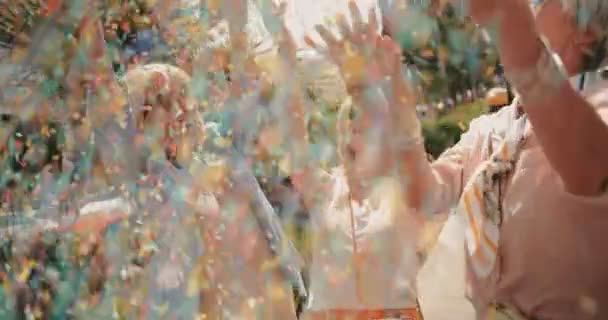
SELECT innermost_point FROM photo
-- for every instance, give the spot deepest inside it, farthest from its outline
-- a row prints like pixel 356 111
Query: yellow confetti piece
pixel 277 293
pixel 25 274
pixel 197 279
pixel 462 126
pixel 45 131
pixel 443 54
pixel 285 166
pixel 270 264
pixel 427 53
pixel 349 49
pixel 355 67
pixel 490 71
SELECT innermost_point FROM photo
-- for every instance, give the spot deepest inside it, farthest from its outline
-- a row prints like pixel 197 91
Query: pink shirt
pixel 551 263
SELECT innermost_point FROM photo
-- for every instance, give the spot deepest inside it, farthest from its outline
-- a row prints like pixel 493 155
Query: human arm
pixel 306 174
pixel 383 92
pixel 570 131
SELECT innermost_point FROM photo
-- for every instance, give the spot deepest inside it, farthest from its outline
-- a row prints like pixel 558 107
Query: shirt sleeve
pixel 436 187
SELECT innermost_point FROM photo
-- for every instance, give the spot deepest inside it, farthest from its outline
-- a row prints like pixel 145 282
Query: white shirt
pixel 386 239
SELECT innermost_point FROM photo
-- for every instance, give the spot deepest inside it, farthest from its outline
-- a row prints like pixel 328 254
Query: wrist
pixel 407 143
pixel 541 80
pixel 371 98
pixel 405 123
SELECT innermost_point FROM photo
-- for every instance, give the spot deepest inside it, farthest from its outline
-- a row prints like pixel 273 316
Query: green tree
pixel 455 55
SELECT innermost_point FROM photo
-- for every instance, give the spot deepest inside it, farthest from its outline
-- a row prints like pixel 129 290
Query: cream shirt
pixel 386 239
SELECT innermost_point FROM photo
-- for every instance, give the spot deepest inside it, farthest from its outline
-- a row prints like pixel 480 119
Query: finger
pixel 279 8
pixel 287 45
pixel 395 52
pixel 310 42
pixel 326 35
pixel 381 54
pixel 372 26
pixel 356 16
pixel 343 26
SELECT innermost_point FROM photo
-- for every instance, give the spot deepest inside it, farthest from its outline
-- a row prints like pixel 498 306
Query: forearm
pixel 574 139
pixel 430 188
pixel 571 133
pixel 304 168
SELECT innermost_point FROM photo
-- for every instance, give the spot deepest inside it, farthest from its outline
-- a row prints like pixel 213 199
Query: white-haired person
pixel 365 245
pixel 529 181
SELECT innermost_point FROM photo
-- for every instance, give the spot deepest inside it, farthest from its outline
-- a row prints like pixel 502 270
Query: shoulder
pixel 498 123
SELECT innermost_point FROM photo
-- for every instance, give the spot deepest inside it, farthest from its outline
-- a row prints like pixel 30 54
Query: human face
pixel 561 29
pixel 163 133
pixel 166 115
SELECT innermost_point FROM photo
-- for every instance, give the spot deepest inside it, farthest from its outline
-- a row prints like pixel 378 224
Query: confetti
pixel 150 139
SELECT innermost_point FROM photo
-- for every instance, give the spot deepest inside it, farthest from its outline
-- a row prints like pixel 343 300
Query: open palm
pixel 365 57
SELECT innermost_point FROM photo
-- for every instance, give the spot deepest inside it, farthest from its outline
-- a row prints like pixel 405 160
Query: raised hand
pixel 295 107
pixel 367 59
pixel 355 53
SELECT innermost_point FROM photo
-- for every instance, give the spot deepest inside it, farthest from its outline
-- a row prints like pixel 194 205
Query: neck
pixel 359 188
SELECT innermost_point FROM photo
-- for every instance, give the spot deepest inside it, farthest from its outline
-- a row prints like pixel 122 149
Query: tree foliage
pixel 450 52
